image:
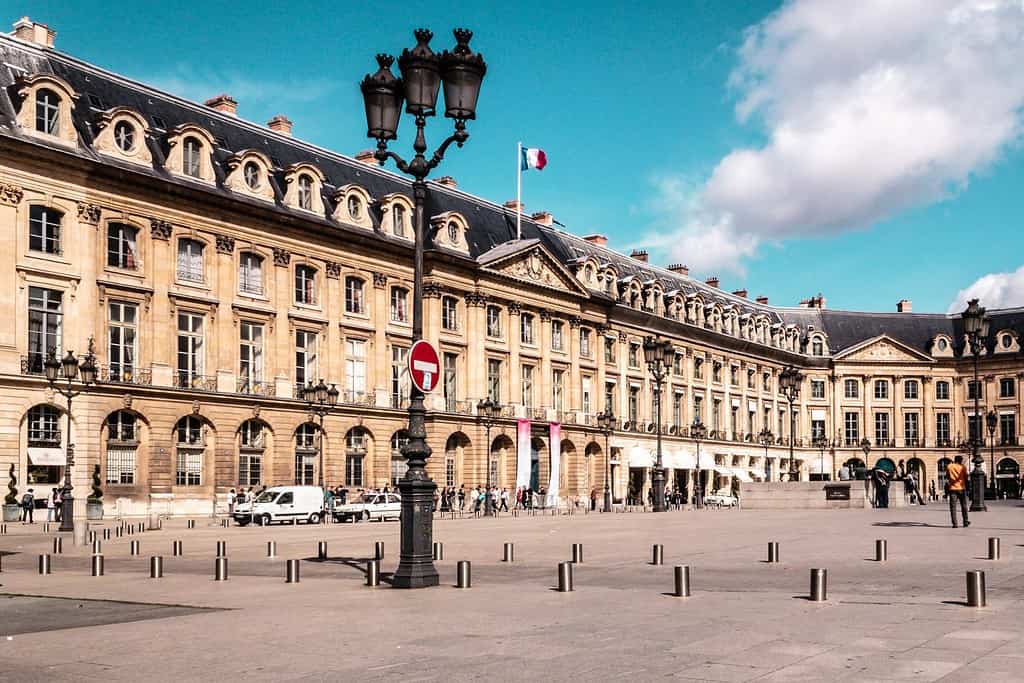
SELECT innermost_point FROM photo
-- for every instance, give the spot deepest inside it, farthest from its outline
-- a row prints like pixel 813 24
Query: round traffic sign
pixel 424 366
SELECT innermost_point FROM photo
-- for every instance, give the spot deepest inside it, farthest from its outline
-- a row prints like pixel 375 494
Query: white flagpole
pixel 519 189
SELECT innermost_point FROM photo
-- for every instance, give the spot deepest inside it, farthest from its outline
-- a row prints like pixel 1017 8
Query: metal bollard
pixel 133 549
pixel 176 548
pixel 291 571
pixel 106 534
pixel 97 565
pixel 191 524
pixel 565 577
pixel 129 530
pixel 44 564
pixel 682 581
pixel 881 550
pixel 271 549
pixel 975 588
pixel 321 550
pixel 96 547
pixel 222 548
pixel 220 569
pixel 263 521
pixel 3 529
pixel 819 585
pixel 373 573
pixel 378 550
pixel 773 552
pixel 438 554
pixel 46 527
pixel 657 554
pixel 508 553
pixel 577 553
pixel 58 545
pixel 225 523
pixel 463 577
pixel 993 548
pixel 118 531
pixel 92 537
pixel 156 567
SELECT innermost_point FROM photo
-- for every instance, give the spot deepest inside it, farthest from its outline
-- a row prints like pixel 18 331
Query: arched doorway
pixel 537 447
pixel 358 443
pixel 399 465
pixel 594 472
pixel 454 461
pixel 566 479
pixel 501 451
pixel 940 475
pixel 916 467
pixel 885 464
pixel 1007 479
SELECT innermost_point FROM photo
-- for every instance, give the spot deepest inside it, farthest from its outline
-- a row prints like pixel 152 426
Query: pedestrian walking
pixel 28 504
pixel 956 488
pixel 911 484
pixel 231 502
pixel 881 488
pixel 51 505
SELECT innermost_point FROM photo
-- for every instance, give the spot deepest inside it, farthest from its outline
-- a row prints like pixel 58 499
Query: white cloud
pixel 995 290
pixel 868 108
pixel 200 85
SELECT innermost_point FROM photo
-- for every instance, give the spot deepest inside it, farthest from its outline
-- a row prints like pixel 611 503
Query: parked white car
pixel 371 506
pixel 721 499
pixel 283 504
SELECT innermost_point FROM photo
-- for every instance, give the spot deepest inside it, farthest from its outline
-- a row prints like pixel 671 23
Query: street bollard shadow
pixel 910 524
pixel 958 603
pixel 357 564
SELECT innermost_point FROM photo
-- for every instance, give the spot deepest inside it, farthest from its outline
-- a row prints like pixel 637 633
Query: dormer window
pixel 253 175
pixel 398 220
pixel 817 347
pixel 47 112
pixel 355 207
pixel 124 136
pixel 453 232
pixel 192 157
pixel 305 196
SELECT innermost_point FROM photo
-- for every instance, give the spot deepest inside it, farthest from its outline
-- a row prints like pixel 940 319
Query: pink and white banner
pixel 556 461
pixel 522 454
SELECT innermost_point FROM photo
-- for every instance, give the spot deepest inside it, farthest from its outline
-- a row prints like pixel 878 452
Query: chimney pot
pixel 599 240
pixel 447 181
pixel 904 306
pixel 762 299
pixel 680 269
pixel 280 124
pixel 639 255
pixel 740 293
pixel 223 103
pixel 34 32
pixel 712 281
pixel 543 217
pixel 366 157
pixel 514 205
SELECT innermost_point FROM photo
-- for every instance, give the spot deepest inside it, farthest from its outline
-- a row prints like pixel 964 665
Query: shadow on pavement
pixel 910 524
pixel 356 563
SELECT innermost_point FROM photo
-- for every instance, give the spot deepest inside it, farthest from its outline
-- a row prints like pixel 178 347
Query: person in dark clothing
pixel 28 504
pixel 881 488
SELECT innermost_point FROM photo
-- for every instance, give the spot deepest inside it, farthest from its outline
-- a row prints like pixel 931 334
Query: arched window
pixel 399 305
pixel 305 285
pixel 43 426
pixel 191 449
pixel 46 458
pixel 306 454
pixel 192 157
pixel 305 195
pixel 124 136
pixel 252 443
pixel 122 446
pixel 354 301
pixel 122 247
pixel 47 112
pixel 817 347
pixel 44 225
pixel 253 175
pixel 399 440
pixel 355 207
pixel 250 273
pixel 356 443
pixel 453 232
pixel 398 220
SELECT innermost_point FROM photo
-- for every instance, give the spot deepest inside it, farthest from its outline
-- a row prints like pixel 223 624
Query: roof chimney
pixel 223 103
pixel 543 217
pixel 814 302
pixel 904 306
pixel 34 32
pixel 366 157
pixel 742 293
pixel 515 205
pixel 762 299
pixel 447 181
pixel 712 281
pixel 599 240
pixel 280 124
pixel 679 269
pixel 639 255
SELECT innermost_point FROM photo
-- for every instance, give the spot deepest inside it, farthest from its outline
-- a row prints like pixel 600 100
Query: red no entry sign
pixel 424 365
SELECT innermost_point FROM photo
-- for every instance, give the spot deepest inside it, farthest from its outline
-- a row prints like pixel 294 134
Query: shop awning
pixel 685 461
pixel 640 457
pixel 742 474
pixel 46 456
pixel 722 469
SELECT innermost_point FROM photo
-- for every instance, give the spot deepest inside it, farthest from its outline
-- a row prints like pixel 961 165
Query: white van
pixel 283 504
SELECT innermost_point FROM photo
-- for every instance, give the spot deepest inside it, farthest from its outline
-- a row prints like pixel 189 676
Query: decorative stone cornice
pixel 380 280
pixel 514 308
pixel 225 244
pixel 88 213
pixel 160 230
pixel 574 322
pixel 545 315
pixel 282 257
pixel 623 337
pixel 333 269
pixel 10 195
pixel 926 380
pixel 476 299
pixel 432 289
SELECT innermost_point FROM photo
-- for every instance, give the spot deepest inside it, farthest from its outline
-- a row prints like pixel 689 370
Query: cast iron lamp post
pixel 697 432
pixel 789 381
pixel 976 328
pixel 765 439
pixel 659 355
pixel 320 400
pixel 488 411
pixel 606 422
pixel 990 421
pixel 461 71
pixel 69 369
pixel 865 445
pixel 822 443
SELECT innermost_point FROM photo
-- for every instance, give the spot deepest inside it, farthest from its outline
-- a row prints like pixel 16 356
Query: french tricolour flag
pixel 534 158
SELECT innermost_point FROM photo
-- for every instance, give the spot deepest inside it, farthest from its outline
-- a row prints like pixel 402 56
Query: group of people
pixel 451 499
pixel 54 503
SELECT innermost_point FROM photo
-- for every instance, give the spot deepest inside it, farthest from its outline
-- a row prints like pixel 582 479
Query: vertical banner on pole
pixel 556 462
pixel 522 453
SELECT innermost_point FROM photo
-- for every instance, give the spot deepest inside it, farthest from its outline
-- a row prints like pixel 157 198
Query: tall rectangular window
pixel 585 342
pixel 698 409
pixel 305 359
pixel 353 470
pixel 585 398
pixel 399 305
pixel 305 285
pixel 190 260
pixel 191 354
pixel 121 248
pixel 975 390
pixel 399 375
pixel 526 329
pixel 494 322
pixel 355 369
pixel 942 390
pixel 450 313
pixel 851 389
pixel 556 335
pixel 451 361
pixel 527 385
pixel 1008 429
pixel 191 157
pixel 609 350
pixel 910 389
pixel 45 326
pixel 677 364
pixel 634 404
pixel 354 295
pixel 44 229
pixel 609 397
pixel 698 368
pixel 942 429
pixel 250 356
pixel 250 273
pixel 557 388
pixel 910 428
pixel 716 414
pixel 817 388
pixel 975 426
pixel 677 408
pixel 634 355
pixel 817 430
pixel 881 389
pixel 1007 387
pixel 121 343
pixel 851 423
pixel 881 429
pixel 494 379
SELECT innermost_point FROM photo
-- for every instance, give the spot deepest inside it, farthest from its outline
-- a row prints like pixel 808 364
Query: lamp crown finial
pixel 384 60
pixel 423 36
pixel 462 38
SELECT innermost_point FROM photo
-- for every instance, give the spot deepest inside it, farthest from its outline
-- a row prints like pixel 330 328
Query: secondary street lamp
pixel 865 445
pixel 659 355
pixel 606 422
pixel 697 432
pixel 320 400
pixel 68 369
pixel 789 381
pixel 765 438
pixel 990 421
pixel 488 412
pixel 976 328
pixel 822 443
pixel 423 71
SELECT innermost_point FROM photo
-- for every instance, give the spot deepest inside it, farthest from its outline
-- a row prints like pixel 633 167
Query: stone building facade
pixel 218 265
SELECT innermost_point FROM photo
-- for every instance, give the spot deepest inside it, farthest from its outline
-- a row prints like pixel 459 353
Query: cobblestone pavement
pixel 904 619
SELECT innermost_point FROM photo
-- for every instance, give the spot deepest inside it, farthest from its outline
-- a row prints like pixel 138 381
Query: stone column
pixel 515 392
pixel 280 354
pixel 378 374
pixel 223 354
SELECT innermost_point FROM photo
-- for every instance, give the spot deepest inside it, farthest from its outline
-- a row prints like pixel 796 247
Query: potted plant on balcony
pixel 94 504
pixel 12 509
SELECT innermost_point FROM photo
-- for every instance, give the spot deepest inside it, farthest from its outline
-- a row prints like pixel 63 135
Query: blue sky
pixel 789 148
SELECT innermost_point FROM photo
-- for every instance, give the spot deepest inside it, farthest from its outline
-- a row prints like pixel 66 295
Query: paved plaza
pixel 905 619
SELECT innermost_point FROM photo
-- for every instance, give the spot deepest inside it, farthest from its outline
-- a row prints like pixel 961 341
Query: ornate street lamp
pixel 320 400
pixel 606 422
pixel 488 412
pixel 789 381
pixel 659 355
pixel 976 330
pixel 697 432
pixel 69 369
pixel 865 445
pixel 423 71
pixel 990 421
pixel 822 443
pixel 765 438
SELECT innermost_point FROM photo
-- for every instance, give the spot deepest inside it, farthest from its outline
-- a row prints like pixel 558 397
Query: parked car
pixel 371 506
pixel 283 504
pixel 721 499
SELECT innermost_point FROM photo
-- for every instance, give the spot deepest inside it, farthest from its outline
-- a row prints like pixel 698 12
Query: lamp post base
pixel 67 512
pixel 416 564
pixel 978 491
pixel 607 501
pixel 658 487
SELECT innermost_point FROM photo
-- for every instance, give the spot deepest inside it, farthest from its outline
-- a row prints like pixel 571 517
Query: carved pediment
pixel 537 267
pixel 883 350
